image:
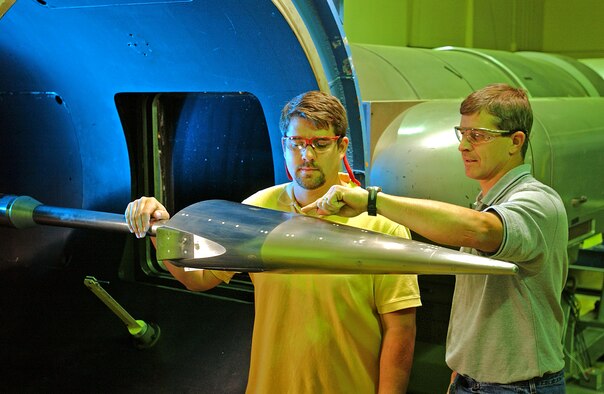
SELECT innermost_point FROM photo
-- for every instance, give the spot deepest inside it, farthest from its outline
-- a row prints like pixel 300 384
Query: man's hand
pixel 142 213
pixel 341 200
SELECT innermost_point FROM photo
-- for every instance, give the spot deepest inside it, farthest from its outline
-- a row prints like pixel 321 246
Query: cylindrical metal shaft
pixel 94 286
pixel 23 212
pixel 146 335
pixel 79 218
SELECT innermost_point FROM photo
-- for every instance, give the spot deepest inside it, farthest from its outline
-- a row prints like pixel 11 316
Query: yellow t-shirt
pixel 320 333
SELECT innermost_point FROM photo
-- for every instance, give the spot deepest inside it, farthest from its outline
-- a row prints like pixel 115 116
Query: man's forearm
pixel 198 280
pixel 444 223
pixel 396 361
pixel 396 356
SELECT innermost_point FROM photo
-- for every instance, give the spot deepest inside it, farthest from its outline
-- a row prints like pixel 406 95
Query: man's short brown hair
pixel 317 107
pixel 509 105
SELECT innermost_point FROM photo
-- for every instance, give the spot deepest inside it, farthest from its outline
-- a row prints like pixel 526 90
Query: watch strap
pixel 372 199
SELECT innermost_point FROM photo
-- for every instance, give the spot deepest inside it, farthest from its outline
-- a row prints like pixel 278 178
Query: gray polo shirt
pixel 509 328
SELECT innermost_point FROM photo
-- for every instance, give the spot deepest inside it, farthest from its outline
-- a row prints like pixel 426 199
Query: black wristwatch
pixel 371 199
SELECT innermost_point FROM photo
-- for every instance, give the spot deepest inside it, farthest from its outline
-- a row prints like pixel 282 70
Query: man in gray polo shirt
pixel 505 332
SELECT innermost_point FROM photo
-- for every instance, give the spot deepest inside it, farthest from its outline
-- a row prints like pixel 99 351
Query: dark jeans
pixel 552 383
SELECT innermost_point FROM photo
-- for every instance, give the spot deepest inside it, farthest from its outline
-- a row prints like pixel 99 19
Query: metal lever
pixel 145 335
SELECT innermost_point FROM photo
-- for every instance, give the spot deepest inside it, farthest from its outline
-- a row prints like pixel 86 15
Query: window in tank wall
pixel 189 147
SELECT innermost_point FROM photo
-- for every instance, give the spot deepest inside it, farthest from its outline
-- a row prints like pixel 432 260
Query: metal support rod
pixel 79 218
pixel 23 212
pixel 145 335
pixel 121 313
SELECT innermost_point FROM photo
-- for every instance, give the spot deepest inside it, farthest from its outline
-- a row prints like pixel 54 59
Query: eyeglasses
pixel 479 135
pixel 319 144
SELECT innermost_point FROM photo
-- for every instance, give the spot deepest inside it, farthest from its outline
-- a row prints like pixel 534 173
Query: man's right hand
pixel 142 213
pixel 340 200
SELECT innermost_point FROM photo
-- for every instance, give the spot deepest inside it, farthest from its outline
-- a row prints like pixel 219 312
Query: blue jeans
pixel 552 383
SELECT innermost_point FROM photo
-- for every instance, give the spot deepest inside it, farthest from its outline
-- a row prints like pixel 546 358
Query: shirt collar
pixel 509 179
pixel 287 196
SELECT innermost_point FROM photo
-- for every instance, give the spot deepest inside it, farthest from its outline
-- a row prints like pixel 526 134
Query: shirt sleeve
pixel 224 276
pixel 396 292
pixel 530 219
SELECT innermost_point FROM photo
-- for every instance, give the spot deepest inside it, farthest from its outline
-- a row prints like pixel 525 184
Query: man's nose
pixel 464 145
pixel 308 151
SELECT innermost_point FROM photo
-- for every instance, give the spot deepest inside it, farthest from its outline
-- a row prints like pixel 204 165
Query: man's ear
pixel 342 146
pixel 518 139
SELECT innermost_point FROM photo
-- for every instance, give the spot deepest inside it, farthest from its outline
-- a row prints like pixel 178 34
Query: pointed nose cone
pixel 223 235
